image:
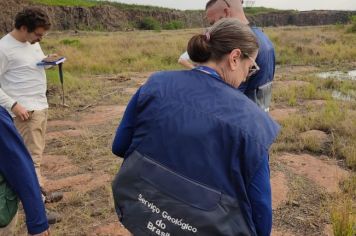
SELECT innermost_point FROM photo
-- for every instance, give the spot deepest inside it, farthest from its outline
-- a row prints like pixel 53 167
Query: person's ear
pixel 227 12
pixel 23 29
pixel 234 59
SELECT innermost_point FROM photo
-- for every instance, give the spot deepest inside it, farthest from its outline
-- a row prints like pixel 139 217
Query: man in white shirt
pixel 23 83
pixel 185 61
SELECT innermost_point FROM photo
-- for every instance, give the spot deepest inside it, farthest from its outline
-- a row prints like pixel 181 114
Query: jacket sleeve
pixel 125 131
pixel 5 100
pixel 259 193
pixel 18 170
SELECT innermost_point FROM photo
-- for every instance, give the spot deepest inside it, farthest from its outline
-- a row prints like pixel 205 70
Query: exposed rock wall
pixel 110 18
pixel 303 18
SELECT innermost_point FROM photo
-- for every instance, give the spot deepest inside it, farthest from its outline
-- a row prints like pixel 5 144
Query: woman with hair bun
pixel 195 148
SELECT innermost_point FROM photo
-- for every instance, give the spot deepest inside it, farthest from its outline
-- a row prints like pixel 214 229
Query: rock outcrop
pixel 112 18
pixel 303 18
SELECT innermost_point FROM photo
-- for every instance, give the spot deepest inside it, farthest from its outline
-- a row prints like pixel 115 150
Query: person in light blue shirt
pixel 195 148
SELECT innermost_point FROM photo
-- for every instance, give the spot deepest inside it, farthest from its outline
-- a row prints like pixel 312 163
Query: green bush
pixel 174 25
pixel 353 24
pixel 70 42
pixel 82 3
pixel 149 23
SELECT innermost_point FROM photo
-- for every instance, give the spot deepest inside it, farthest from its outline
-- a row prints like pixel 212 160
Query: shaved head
pixel 229 3
pixel 218 9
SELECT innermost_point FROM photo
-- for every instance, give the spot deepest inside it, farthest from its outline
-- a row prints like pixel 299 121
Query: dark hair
pixel 210 3
pixel 223 37
pixel 32 18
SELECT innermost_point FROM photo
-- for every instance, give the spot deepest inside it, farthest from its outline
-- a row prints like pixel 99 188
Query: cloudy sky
pixel 279 4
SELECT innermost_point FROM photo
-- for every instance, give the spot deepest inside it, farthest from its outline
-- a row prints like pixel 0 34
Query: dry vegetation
pixel 94 57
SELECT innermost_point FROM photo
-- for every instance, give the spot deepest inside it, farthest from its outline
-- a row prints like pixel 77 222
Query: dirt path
pixel 79 162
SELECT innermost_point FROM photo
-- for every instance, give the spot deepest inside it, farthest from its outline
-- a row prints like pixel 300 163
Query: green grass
pixel 342 218
pixel 82 3
pixel 328 48
pixel 89 53
pixel 335 118
pixel 147 51
pixel 342 209
pixel 327 45
pixel 91 3
pixel 259 10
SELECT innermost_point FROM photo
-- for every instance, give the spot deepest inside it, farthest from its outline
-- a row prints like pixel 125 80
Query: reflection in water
pixel 343 97
pixel 339 75
pixel 350 75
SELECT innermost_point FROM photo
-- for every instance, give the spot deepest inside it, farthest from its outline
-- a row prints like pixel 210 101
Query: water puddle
pixel 340 75
pixel 351 96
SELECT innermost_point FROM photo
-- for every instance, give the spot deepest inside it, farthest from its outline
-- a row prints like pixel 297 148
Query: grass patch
pixel 352 28
pixel 82 3
pixel 151 51
pixel 127 53
pixel 313 46
pixel 294 93
pixel 342 209
pixel 342 218
pixel 260 10
pixel 89 54
pixel 70 42
pixel 336 119
pixel 92 3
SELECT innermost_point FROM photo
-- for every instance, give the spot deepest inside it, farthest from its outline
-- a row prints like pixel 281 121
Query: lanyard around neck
pixel 209 71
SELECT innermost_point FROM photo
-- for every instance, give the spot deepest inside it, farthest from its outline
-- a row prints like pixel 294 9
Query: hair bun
pixel 199 48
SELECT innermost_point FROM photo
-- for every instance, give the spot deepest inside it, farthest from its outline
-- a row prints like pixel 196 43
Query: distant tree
pixel 353 24
pixel 249 3
pixel 149 23
pixel 173 25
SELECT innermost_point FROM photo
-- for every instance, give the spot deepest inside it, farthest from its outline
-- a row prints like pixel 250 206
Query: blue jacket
pixel 265 60
pixel 17 168
pixel 200 128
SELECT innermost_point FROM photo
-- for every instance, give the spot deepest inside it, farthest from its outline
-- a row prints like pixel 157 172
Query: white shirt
pixel 184 56
pixel 21 80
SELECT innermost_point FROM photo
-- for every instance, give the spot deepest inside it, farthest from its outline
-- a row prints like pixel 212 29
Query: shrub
pixel 173 25
pixel 70 42
pixel 342 218
pixel 149 23
pixel 353 24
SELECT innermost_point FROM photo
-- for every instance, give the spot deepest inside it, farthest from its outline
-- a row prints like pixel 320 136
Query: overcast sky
pixel 279 4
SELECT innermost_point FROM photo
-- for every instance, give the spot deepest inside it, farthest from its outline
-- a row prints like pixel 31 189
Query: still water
pixel 340 75
pixel 349 75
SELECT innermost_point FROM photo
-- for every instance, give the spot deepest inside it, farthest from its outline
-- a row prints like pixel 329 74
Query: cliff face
pixel 8 10
pixel 304 18
pixel 106 17
pixel 110 18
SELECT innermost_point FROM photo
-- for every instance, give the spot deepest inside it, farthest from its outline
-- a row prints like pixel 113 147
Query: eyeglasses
pixel 40 35
pixel 227 3
pixel 254 68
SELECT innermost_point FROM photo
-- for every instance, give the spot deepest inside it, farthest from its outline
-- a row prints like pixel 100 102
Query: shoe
pixel 53 217
pixel 52 197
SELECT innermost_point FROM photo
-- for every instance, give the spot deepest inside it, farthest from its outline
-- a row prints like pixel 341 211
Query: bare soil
pixel 79 162
pixel 323 171
pixel 281 114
